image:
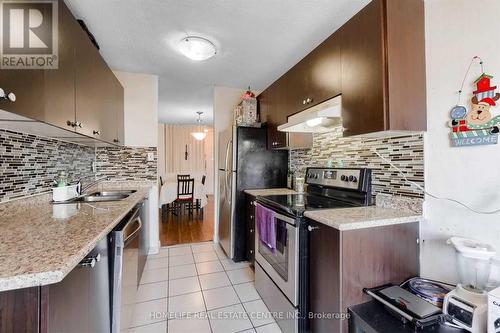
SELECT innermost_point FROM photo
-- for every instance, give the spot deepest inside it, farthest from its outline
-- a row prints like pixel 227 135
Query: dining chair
pixel 183 177
pixel 185 196
pixel 199 209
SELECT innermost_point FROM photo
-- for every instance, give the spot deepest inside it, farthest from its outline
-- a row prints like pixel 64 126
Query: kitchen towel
pixel 266 226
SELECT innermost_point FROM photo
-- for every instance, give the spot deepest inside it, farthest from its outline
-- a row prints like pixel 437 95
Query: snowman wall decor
pixel 476 126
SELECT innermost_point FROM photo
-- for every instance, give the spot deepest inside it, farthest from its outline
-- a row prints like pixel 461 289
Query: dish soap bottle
pixel 62 179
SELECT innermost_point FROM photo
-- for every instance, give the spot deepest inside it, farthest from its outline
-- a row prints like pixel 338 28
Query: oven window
pixel 278 258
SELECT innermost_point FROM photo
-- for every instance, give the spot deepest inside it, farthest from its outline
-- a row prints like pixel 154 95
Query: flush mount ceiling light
pixel 197 48
pixel 200 134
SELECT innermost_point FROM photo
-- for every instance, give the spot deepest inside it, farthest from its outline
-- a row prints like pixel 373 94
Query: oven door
pixel 282 265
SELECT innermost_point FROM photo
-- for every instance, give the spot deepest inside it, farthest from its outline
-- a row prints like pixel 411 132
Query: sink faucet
pixel 80 189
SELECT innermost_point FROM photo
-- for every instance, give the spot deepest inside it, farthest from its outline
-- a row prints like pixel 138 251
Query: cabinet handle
pixel 309 100
pixel 70 123
pixel 78 124
pixel 96 132
pixel 304 102
pixel 90 261
pixel 116 140
pixel 311 228
pixel 10 96
pixel 251 251
pixel 251 216
pixel 251 231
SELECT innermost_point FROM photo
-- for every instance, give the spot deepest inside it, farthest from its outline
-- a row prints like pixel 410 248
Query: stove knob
pixel 353 179
pixel 344 178
pixel 316 177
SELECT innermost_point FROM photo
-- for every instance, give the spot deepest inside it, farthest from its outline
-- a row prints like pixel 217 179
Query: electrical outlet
pixel 151 157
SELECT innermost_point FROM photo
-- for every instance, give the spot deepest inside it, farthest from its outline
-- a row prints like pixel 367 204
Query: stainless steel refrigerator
pixel 244 163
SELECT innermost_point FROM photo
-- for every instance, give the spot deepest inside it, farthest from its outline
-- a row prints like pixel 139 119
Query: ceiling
pixel 257 42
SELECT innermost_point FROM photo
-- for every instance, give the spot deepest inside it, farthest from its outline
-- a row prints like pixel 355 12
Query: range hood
pixel 317 119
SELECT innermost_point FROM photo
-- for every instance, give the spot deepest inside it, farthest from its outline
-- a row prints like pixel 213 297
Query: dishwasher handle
pixel 133 234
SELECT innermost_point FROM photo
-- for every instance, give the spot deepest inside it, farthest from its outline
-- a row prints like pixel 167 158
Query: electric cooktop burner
pixel 327 188
pixel 297 204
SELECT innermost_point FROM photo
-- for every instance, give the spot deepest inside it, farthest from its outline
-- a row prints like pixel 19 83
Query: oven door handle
pixel 287 219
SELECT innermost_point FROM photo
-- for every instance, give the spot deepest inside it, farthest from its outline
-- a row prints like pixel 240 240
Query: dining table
pixel 168 193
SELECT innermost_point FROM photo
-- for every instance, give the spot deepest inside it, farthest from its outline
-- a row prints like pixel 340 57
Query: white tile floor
pixel 194 288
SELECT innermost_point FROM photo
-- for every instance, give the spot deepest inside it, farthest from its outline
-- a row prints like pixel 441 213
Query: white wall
pixel 141 108
pixel 225 100
pixel 457 30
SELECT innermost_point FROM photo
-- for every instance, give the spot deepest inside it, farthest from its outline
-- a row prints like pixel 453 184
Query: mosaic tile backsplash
pixel 29 163
pixel 126 163
pixel 406 152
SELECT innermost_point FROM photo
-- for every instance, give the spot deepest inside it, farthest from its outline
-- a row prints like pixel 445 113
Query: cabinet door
pixel 297 82
pixel 60 83
pixel 69 302
pixel 28 86
pixel 20 310
pixel 363 71
pixel 324 276
pixel 276 114
pixel 91 86
pixel 250 211
pixel 324 71
pixel 118 105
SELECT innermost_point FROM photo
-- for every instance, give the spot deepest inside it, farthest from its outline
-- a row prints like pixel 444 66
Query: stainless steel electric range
pixel 281 273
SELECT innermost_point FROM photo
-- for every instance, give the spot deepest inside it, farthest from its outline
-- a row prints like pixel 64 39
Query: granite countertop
pixel 36 248
pixel 362 217
pixel 270 191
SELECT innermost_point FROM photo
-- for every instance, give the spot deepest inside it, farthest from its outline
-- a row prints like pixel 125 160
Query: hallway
pixel 184 229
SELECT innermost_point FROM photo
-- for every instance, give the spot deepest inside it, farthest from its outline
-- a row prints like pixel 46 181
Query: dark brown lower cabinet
pixel 79 303
pixel 250 213
pixel 342 263
pixel 20 310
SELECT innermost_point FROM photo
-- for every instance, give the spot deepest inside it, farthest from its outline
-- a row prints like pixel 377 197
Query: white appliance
pixel 467 305
pixel 494 311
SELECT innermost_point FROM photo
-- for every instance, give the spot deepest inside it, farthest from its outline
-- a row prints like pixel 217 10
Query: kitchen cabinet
pixel 383 68
pixel 250 229
pixel 20 310
pixel 59 84
pixel 315 78
pixel 376 61
pixel 269 102
pixel 79 303
pixel 342 263
pixel 82 95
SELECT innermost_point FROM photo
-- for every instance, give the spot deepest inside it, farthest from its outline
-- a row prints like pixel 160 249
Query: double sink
pixel 102 196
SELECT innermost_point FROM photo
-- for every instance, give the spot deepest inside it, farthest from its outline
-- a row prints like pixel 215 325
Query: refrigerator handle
pixel 227 154
pixel 228 171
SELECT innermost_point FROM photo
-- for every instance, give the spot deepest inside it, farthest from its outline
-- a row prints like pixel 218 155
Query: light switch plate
pixel 151 157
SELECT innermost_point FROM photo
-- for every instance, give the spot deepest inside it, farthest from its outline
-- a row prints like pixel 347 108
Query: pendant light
pixel 200 134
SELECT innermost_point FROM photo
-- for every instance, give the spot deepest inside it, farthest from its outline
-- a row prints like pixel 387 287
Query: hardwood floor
pixel 185 229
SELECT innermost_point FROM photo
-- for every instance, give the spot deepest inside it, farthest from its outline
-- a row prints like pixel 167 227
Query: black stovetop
pixel 297 204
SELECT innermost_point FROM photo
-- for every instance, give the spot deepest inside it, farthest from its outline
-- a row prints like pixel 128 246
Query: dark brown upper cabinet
pixel 82 95
pixel 383 68
pixel 376 61
pixel 272 112
pixel 59 84
pixel 315 78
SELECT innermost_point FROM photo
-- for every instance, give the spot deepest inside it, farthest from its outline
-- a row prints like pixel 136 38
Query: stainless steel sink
pixel 102 196
pixel 111 193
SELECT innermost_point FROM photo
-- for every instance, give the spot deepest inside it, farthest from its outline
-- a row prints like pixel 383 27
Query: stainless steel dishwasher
pixel 125 268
